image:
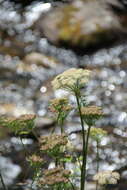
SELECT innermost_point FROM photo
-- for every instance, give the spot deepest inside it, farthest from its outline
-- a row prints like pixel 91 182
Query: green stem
pixel 82 182
pixel 34 133
pixel 60 122
pixel 2 181
pixel 53 130
pixel 72 185
pixel 34 177
pixel 97 157
pixel 79 163
pixel 56 162
pixel 24 148
pixel 86 153
pixel 61 127
pixel 26 154
pixel 104 187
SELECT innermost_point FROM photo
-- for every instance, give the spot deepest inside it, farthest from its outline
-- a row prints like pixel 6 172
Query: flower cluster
pixel 61 107
pixel 35 160
pixel 97 133
pixel 20 125
pixel 68 79
pixel 107 177
pixel 60 104
pixel 26 117
pixel 91 114
pixel 54 176
pixel 92 111
pixel 54 141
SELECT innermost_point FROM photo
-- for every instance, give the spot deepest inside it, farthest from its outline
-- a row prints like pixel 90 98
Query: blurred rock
pixel 9 170
pixel 44 122
pixel 4 133
pixel 118 6
pixel 12 109
pixel 81 24
pixel 40 60
pixel 91 186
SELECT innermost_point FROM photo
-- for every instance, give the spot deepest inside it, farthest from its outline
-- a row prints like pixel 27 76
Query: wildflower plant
pixel 58 147
pixel 73 80
pixel 56 178
pixel 53 145
pixel 97 135
pixel 61 108
pixel 90 114
pixel 36 162
pixel 20 126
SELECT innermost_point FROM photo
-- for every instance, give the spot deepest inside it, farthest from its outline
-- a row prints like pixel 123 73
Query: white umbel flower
pixel 70 77
pixel 107 177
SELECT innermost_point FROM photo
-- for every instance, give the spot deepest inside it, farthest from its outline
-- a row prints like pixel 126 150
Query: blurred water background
pixel 32 53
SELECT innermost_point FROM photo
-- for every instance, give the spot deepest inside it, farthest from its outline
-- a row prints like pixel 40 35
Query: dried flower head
pixel 92 111
pixel 91 114
pixel 20 125
pixel 97 133
pixel 35 160
pixel 107 177
pixel 51 142
pixel 54 176
pixel 59 105
pixel 69 79
pixel 5 121
pixel 27 117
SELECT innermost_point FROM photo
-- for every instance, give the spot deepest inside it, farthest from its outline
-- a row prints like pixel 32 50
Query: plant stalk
pixel 82 182
pixel 24 148
pixel 86 153
pixel 97 157
pixel 35 135
pixel 72 185
pixel 2 181
pixel 61 127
